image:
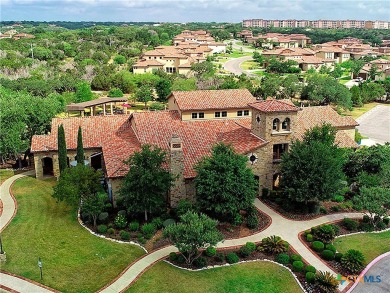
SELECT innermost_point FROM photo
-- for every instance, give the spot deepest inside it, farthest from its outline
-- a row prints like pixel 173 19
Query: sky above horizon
pixel 192 10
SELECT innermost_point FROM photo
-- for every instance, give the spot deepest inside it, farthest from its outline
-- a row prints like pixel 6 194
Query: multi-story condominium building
pixel 321 23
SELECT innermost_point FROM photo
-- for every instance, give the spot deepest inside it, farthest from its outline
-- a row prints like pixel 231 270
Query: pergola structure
pixel 92 105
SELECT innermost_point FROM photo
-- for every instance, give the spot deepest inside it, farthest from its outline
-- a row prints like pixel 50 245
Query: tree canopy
pixel 224 184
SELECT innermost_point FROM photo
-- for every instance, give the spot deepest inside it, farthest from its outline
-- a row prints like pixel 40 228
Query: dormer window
pixel 286 124
pixel 276 124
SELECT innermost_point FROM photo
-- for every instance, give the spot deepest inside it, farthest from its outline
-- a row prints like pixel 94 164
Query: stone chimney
pixel 178 190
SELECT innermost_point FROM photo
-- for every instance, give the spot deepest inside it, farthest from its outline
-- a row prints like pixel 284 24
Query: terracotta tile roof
pixel 213 99
pixel 273 105
pixel 312 60
pixel 316 116
pixel 198 137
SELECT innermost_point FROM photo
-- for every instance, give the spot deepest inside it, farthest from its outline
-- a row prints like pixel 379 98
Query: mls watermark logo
pixel 362 279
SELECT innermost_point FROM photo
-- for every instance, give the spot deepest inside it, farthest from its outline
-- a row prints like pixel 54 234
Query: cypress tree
pixel 62 153
pixel 80 148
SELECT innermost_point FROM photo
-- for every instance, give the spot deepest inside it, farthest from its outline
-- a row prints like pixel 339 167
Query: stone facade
pixel 178 189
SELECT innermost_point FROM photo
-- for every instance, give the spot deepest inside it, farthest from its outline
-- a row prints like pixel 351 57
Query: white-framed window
pixel 217 114
pixel 224 114
pixel 194 115
pixel 246 112
pixel 239 113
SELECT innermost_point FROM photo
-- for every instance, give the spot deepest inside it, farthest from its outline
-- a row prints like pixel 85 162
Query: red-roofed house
pixel 262 135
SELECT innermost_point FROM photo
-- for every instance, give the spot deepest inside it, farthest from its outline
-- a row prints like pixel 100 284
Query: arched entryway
pixel 47 166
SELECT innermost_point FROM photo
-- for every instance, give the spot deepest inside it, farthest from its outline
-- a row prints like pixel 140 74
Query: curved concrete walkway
pixel 285 228
pixel 12 282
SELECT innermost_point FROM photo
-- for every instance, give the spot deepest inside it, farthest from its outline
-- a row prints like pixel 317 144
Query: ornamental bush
pixel 115 93
pixel 120 221
pixel 252 221
pixel 103 217
pixel 310 277
pixel 110 231
pixel 381 225
pixel 273 244
pixel 102 229
pixel 318 246
pixel 168 222
pixel 210 251
pixel 350 224
pixel 157 222
pixel 172 256
pixel 251 246
pixel 338 198
pixel 231 258
pixel 298 266
pixel 200 262
pixel 134 226
pixel 220 257
pixel 295 257
pixel 245 251
pixel 124 235
pixel 310 269
pixel 327 254
pixel 148 230
pixel 283 258
pixel 338 256
pixel 309 237
pixel 325 233
pixel 353 261
pixel 330 247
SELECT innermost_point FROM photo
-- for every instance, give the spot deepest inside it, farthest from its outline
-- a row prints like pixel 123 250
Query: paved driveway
pixel 376 124
pixel 381 269
pixel 233 65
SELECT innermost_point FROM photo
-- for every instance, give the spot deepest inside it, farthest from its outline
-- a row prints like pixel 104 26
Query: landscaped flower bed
pixel 271 248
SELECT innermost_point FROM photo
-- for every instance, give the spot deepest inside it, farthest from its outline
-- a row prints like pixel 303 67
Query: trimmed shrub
pixel 200 262
pixel 366 219
pixel 124 235
pixel 237 220
pixel 102 229
pixel 368 227
pixel 180 259
pixel 148 230
pixel 381 225
pixel 141 238
pixel 297 266
pixel 172 256
pixel 338 256
pixel 273 244
pixel 251 246
pixel 134 226
pixel 338 198
pixel 103 217
pixel 325 233
pixel 110 231
pixel 310 269
pixel 231 258
pixel 323 210
pixel 210 251
pixel 295 257
pixel 310 277
pixel 330 247
pixel 353 261
pixel 123 213
pixel 350 224
pixel 115 93
pixel 336 228
pixel 309 237
pixel 168 222
pixel 245 251
pixel 318 246
pixel 386 221
pixel 335 209
pixel 157 222
pixel 307 232
pixel 283 258
pixel 327 254
pixel 120 221
pixel 220 257
pixel 252 221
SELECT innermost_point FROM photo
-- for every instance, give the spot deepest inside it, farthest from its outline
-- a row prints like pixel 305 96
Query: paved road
pixel 382 269
pixel 376 124
pixel 233 65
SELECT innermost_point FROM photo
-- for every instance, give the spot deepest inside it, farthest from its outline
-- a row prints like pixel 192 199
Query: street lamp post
pixel 40 266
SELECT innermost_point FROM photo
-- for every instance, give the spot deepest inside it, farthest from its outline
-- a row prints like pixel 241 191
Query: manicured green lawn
pixel 249 65
pixel 358 111
pixel 370 244
pixel 5 174
pixel 73 259
pixel 246 277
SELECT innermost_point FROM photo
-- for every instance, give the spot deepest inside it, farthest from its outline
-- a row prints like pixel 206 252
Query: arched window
pixel 275 124
pixel 286 124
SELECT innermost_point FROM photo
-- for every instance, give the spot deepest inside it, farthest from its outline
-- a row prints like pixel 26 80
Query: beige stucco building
pixel 260 130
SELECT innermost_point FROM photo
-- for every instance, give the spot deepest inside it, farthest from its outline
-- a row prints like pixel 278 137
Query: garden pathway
pixel 287 229
pixel 10 282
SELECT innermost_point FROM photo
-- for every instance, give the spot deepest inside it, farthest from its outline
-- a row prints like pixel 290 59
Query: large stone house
pixel 195 121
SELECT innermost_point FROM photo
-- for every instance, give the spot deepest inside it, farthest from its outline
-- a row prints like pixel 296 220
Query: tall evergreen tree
pixel 80 148
pixel 62 153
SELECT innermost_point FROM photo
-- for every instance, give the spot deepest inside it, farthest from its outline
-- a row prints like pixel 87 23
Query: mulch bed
pixel 304 217
pixel 232 232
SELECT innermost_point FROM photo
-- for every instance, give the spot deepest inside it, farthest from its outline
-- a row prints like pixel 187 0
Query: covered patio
pixel 91 105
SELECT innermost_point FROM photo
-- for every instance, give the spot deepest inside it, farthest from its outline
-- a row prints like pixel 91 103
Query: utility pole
pixel 32 51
